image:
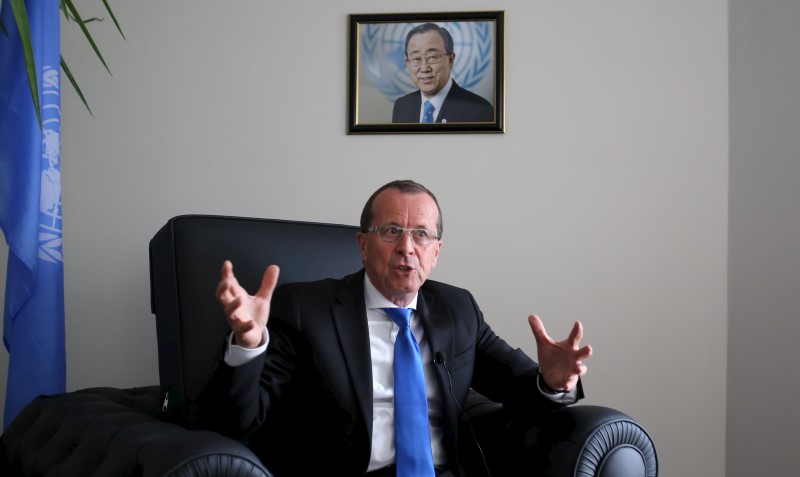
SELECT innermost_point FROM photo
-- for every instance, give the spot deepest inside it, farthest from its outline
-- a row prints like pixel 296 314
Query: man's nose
pixel 406 242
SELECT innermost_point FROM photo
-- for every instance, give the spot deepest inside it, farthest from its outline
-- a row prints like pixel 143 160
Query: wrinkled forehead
pixel 416 210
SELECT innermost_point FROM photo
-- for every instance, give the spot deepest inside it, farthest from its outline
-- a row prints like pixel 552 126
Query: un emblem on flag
pixel 50 232
pixel 383 56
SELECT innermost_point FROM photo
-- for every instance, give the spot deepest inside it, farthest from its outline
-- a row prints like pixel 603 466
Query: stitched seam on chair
pixel 610 436
pixel 194 460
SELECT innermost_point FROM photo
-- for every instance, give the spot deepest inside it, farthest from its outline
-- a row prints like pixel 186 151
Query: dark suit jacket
pixel 306 403
pixel 460 106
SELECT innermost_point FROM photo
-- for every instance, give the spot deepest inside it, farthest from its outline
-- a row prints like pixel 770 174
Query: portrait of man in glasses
pixel 429 61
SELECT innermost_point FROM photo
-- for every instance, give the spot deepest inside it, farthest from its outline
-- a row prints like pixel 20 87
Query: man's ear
pixel 438 245
pixel 362 245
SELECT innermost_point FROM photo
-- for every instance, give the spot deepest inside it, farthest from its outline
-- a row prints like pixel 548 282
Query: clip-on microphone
pixel 440 358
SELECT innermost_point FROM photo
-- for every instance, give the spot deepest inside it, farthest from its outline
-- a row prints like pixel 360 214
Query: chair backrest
pixel 186 256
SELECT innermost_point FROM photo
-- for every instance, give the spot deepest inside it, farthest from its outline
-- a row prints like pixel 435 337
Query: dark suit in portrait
pixel 460 106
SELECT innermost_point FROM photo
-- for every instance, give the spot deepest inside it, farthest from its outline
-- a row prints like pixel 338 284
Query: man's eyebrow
pixel 429 50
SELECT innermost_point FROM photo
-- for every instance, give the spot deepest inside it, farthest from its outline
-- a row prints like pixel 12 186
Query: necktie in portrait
pixel 427 113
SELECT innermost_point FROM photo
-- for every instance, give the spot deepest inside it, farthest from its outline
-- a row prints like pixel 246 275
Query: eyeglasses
pixel 393 233
pixel 432 59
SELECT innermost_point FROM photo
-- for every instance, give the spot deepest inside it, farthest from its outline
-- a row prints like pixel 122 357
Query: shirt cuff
pixel 566 397
pixel 236 355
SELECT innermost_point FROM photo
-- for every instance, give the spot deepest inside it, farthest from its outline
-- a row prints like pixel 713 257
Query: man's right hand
pixel 247 315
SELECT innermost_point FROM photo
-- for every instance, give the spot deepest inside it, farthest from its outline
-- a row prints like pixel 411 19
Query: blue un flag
pixel 30 209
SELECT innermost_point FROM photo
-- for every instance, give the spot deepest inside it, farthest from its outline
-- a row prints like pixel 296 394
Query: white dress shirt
pixel 382 334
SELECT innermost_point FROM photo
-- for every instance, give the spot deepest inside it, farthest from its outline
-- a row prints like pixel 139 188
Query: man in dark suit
pixel 429 59
pixel 308 376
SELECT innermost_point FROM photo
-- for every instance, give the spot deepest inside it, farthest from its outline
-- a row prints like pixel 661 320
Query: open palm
pixel 560 362
pixel 246 314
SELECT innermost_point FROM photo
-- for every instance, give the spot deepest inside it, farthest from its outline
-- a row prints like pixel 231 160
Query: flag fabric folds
pixel 30 209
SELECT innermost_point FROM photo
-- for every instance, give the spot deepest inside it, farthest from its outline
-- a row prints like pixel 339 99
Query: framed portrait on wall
pixel 426 73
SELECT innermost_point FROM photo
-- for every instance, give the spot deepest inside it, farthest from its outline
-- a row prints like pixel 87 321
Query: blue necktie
pixel 412 438
pixel 427 113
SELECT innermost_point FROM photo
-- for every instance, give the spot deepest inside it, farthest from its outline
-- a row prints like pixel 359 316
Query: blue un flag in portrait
pixel 30 209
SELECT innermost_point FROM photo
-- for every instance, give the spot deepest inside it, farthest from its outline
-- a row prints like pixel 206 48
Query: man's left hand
pixel 560 362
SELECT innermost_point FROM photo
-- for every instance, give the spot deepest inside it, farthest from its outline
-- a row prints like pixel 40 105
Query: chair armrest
pixel 578 440
pixel 107 431
pixel 594 441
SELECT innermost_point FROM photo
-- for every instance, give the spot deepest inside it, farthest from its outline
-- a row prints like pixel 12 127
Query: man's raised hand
pixel 560 362
pixel 246 314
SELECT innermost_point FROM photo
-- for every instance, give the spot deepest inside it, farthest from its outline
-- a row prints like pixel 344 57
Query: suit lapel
pixel 450 106
pixel 412 107
pixel 438 326
pixel 350 321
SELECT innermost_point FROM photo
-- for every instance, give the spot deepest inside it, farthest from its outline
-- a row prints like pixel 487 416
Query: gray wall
pixel 605 201
pixel 764 276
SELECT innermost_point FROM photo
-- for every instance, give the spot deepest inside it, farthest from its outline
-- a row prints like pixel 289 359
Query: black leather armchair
pixel 151 431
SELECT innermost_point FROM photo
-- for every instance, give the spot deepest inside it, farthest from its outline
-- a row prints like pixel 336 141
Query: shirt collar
pixel 374 299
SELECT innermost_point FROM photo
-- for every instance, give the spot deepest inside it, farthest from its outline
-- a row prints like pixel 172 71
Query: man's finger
pixel 584 353
pixel 576 334
pixel 227 270
pixel 231 309
pixel 538 330
pixel 241 328
pixel 228 287
pixel 268 282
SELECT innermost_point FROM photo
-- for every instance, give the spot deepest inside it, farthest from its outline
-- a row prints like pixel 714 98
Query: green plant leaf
pixel 74 84
pixel 70 14
pixel 77 17
pixel 21 17
pixel 114 18
pixel 62 5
